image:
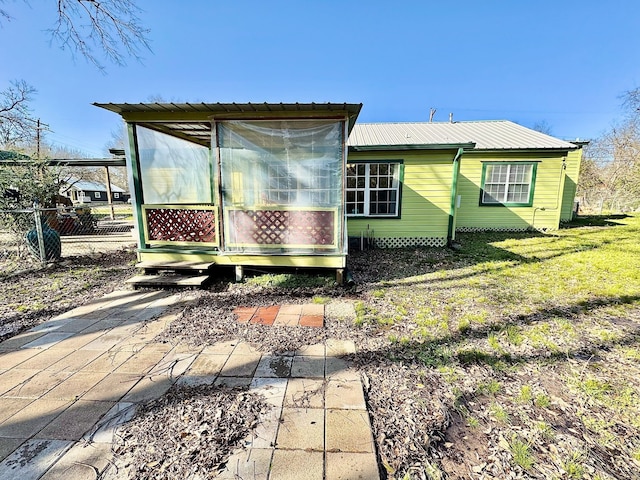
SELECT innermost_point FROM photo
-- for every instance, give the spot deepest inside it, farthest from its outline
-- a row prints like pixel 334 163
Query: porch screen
pixel 173 171
pixel 282 185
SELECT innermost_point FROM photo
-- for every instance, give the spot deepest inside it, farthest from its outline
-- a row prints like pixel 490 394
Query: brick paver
pixel 68 385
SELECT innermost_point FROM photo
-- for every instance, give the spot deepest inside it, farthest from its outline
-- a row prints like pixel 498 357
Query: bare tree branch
pixel 110 26
pixel 98 30
pixel 16 123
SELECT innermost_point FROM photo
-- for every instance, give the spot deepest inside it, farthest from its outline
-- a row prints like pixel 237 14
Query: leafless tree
pixel 543 126
pixel 16 124
pixel 98 29
pixel 611 169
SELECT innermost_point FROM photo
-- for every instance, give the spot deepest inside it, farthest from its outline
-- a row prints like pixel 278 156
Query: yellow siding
pixel 425 196
pixel 543 214
pixel 570 184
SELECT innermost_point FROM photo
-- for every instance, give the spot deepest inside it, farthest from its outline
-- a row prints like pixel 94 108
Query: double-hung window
pixel 509 184
pixel 373 189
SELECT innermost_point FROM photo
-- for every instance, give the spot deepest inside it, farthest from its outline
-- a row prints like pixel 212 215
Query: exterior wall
pixel 572 171
pixel 544 212
pixel 425 201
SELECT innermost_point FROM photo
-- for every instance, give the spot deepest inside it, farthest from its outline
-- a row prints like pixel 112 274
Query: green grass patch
pixel 521 453
pixel 290 280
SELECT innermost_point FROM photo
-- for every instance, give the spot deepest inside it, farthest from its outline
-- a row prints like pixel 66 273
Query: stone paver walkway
pixel 67 385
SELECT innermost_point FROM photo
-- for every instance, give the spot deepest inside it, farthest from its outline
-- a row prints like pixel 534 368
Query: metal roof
pixel 191 121
pixel 486 135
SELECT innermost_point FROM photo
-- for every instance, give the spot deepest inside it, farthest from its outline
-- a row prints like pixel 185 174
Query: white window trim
pixel 367 190
pixel 506 183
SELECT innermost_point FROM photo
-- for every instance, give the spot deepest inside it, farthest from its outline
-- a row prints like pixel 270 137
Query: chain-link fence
pixel 33 237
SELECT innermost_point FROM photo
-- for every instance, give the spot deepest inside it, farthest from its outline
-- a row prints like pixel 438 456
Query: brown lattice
pixel 276 227
pixel 181 225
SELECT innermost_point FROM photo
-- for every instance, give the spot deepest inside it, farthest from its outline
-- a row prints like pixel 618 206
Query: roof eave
pixel 148 112
pixel 430 146
pixel 526 150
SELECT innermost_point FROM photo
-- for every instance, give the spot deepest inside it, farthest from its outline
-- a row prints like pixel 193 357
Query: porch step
pixel 175 265
pixel 168 280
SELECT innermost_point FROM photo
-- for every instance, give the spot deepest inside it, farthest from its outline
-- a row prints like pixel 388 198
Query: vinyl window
pixel 373 189
pixel 508 184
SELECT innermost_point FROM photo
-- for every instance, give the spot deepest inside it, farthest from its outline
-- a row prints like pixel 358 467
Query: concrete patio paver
pixel 348 431
pixel 11 406
pixel 13 358
pixel 48 340
pixel 253 463
pixel 8 446
pixel 10 379
pixel 74 361
pixel 307 367
pixel 42 453
pixel 344 395
pixel 297 465
pixel 75 386
pixel 113 387
pixel 44 359
pixel 351 466
pixel 76 420
pixel 40 383
pixel 32 418
pixel 301 429
pixel 70 384
pixel 81 462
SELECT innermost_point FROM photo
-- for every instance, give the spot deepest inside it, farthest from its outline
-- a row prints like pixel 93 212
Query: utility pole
pixel 38 140
pixel 39 126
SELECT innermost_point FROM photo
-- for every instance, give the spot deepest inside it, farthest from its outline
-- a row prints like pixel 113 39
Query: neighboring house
pixel 85 191
pixel 271 184
pixel 420 183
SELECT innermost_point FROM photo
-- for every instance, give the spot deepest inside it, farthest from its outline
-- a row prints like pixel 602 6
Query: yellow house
pixel 271 185
pixel 419 183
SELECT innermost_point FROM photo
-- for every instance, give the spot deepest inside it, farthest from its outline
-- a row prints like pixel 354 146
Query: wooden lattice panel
pixel 181 225
pixel 295 228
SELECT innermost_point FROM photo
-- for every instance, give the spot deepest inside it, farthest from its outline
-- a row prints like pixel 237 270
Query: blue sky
pixel 562 62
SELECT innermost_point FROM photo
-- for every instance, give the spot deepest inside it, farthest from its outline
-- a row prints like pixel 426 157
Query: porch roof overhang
pixel 192 121
pixel 69 162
